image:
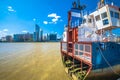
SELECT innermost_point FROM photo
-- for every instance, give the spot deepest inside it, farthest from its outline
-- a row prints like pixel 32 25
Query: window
pixel 89 20
pixel 80 53
pixel 97 17
pixel 76 46
pixel 84 21
pixel 87 48
pixel 105 22
pixel 104 15
pixel 112 13
pixel 76 52
pixel 81 47
pixel 117 15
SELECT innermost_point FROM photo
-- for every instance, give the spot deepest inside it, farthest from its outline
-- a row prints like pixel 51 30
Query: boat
pixel 89 50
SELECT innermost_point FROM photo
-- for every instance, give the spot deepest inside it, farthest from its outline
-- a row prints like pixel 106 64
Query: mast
pixel 101 3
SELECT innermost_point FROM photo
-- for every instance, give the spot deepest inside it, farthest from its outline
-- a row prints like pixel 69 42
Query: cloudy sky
pixel 20 16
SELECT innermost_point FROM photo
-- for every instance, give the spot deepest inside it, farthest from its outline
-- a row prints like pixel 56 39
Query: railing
pixel 83 51
pixel 64 46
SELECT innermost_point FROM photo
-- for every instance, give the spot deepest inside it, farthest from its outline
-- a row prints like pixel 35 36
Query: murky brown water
pixel 31 61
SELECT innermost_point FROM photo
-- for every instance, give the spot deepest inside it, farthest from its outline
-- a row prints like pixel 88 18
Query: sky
pixel 20 16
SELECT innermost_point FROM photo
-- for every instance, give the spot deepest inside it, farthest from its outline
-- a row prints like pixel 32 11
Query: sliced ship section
pixel 89 49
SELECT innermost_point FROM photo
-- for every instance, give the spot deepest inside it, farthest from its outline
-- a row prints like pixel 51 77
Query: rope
pixel 108 62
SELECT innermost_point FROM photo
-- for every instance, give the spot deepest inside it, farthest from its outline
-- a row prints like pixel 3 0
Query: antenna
pixel 78 5
pixel 74 4
pixel 102 2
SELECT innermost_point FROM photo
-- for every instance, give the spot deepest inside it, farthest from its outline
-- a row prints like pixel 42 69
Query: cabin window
pixel 112 13
pixel 104 15
pixel 76 46
pixel 90 20
pixel 81 47
pixel 117 15
pixel 76 52
pixel 80 53
pixel 97 17
pixel 84 21
pixel 87 48
pixel 105 22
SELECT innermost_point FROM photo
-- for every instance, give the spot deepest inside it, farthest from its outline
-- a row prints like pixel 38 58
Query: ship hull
pixel 104 64
pixel 99 74
pixel 105 73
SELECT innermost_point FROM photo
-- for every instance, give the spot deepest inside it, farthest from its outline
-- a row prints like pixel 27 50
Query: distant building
pixel 34 37
pixel 48 37
pixel 28 37
pixel 52 37
pixel 3 39
pixel 23 37
pixel 41 35
pixel 36 33
pixel 18 37
pixel 45 38
pixel 9 38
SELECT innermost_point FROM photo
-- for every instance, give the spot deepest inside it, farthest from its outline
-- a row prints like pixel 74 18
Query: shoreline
pixel 31 42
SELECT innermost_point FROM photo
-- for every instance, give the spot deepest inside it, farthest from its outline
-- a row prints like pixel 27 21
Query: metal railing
pixel 64 46
pixel 83 51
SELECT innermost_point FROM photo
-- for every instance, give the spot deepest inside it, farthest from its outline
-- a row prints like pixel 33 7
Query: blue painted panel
pixel 105 54
pixel 76 21
pixel 75 10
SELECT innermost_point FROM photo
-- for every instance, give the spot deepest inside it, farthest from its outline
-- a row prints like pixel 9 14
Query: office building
pixel 36 33
pixel 41 35
pixel 3 39
pixel 9 38
pixel 23 37
pixel 52 37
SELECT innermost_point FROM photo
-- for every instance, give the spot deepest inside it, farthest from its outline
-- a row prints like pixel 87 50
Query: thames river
pixel 31 61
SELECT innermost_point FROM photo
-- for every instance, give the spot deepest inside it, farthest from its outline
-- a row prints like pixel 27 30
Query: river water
pixel 31 61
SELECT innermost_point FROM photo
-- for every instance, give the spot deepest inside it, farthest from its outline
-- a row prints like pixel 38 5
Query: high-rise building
pixel 45 38
pixel 52 37
pixel 48 37
pixel 18 37
pixel 36 33
pixel 23 37
pixel 41 35
pixel 9 38
pixel 34 36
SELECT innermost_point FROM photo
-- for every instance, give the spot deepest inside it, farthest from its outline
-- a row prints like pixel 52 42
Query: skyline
pixel 20 16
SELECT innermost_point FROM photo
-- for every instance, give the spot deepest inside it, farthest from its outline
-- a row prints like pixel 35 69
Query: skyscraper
pixel 34 36
pixel 52 37
pixel 36 33
pixel 41 35
pixel 9 38
pixel 23 37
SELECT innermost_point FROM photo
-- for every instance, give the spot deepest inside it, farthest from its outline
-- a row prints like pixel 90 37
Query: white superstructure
pixel 98 25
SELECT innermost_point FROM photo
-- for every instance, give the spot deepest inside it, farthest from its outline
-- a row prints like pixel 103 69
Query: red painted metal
pixel 72 39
